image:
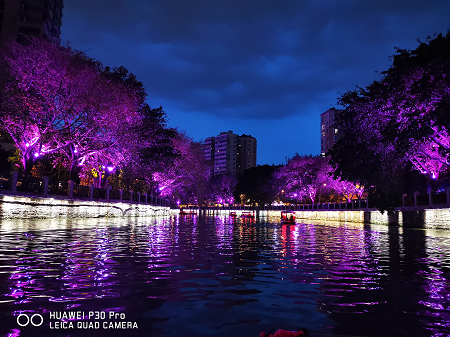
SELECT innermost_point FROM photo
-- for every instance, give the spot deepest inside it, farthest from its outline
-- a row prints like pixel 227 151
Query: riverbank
pixel 36 207
pixel 409 217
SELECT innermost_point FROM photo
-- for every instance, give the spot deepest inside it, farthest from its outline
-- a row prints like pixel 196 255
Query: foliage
pixel 185 179
pixel 56 100
pixel 309 179
pixel 222 189
pixel 399 123
pixel 55 168
pixel 155 150
pixel 63 109
pixel 15 160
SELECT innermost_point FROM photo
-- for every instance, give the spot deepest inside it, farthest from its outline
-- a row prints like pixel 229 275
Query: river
pixel 221 276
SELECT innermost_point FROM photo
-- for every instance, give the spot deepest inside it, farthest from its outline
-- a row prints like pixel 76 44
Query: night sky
pixel 264 68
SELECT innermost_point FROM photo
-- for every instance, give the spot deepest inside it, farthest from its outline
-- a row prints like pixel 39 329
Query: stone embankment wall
pixel 28 207
pixel 25 207
pixel 438 218
pixel 411 217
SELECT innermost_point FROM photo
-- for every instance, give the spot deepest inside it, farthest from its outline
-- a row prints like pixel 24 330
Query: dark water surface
pixel 215 276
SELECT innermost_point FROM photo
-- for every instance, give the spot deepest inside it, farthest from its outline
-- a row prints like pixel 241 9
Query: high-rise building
pixel 246 154
pixel 209 148
pixel 225 155
pixel 329 131
pixel 33 18
pixel 230 154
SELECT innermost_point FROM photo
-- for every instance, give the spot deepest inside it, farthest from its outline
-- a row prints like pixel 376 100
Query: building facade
pixel 329 131
pixel 246 154
pixel 32 18
pixel 230 154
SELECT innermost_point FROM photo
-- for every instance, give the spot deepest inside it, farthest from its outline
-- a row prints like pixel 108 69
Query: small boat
pixel 183 212
pixel 287 217
pixel 247 215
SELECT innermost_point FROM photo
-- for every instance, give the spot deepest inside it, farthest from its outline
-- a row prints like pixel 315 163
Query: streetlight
pixel 107 170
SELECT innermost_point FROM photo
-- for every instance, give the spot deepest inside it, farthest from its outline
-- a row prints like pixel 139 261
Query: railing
pixel 114 195
pixel 30 184
pixel 45 187
pixel 57 188
pixel 81 191
pixel 358 204
pixel 429 200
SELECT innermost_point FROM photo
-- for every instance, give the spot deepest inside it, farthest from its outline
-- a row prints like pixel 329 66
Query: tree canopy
pixel 57 100
pixel 398 124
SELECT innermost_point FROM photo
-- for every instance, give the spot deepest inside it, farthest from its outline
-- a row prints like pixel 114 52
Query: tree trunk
pixel 72 171
pixel 27 165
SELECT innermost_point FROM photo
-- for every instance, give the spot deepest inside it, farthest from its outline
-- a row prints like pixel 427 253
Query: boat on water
pixel 287 217
pixel 247 215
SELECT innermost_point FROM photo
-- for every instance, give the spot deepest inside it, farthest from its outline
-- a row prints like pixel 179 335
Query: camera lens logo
pixel 35 320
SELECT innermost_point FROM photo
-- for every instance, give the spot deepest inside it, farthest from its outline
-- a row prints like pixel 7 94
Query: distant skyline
pixel 261 68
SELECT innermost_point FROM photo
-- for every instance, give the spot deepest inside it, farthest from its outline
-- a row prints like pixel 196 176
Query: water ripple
pixel 222 276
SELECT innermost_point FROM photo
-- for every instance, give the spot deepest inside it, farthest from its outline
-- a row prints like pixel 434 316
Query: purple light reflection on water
pixel 223 276
pixel 14 333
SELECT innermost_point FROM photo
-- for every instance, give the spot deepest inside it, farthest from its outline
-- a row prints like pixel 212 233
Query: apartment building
pixel 33 18
pixel 246 154
pixel 230 154
pixel 329 131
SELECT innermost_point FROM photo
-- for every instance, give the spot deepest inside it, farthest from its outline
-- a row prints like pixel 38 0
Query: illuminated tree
pixel 186 178
pixel 56 100
pixel 222 189
pixel 399 123
pixel 309 178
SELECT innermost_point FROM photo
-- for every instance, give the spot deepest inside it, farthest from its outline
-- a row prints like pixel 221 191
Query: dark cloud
pixel 250 58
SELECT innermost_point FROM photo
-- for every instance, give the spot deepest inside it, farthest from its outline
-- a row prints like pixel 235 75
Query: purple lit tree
pixel 57 101
pixel 398 124
pixel 187 177
pixel 222 189
pixel 309 178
